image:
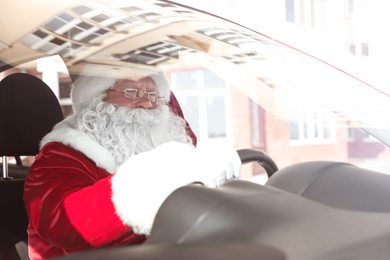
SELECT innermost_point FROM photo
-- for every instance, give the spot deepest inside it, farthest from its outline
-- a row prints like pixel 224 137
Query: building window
pixel 232 4
pixel 307 12
pixel 290 11
pixel 203 99
pixel 349 7
pixel 257 113
pixel 318 13
pixel 357 49
pixel 364 49
pixel 351 134
pixel 351 48
pixel 311 127
pixel 216 120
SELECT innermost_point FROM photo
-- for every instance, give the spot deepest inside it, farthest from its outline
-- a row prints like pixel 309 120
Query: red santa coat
pixel 75 201
pixel 69 206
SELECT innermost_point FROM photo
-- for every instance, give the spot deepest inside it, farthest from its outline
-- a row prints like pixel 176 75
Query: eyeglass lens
pixel 138 94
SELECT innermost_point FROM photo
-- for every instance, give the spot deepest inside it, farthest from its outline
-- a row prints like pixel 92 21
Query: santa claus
pixel 102 173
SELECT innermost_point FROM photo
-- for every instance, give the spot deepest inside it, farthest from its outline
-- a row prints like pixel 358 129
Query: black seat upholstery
pixel 28 110
pixel 13 236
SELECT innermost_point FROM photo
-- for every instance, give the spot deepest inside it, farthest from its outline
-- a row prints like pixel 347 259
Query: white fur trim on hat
pixel 162 84
pixel 86 88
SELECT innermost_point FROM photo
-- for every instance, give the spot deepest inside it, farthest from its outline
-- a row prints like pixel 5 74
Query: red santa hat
pixel 87 87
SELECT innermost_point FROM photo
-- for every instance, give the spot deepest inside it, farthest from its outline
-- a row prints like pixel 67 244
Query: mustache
pixel 142 116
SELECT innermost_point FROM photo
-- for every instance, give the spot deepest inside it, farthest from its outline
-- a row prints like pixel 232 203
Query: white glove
pixel 216 165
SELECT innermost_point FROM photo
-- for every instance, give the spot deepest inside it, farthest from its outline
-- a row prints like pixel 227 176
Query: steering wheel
pixel 253 155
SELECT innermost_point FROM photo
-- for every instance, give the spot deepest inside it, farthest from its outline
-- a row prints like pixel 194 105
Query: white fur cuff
pixel 144 181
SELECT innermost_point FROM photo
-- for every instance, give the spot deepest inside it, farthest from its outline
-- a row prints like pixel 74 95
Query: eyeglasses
pixel 136 94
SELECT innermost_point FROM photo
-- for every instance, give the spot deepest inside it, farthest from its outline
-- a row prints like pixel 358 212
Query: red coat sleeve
pixel 68 200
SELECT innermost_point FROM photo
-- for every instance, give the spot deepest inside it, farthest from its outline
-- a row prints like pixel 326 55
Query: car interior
pixel 313 210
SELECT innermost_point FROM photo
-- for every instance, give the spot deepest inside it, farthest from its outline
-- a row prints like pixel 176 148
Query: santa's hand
pixel 217 165
pixel 144 181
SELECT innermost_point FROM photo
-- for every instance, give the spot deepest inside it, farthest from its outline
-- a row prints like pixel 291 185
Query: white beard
pixel 126 132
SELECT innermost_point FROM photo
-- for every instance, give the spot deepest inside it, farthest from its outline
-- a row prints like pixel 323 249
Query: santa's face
pixel 126 131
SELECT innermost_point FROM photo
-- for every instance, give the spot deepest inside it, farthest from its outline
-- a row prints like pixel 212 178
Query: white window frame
pixel 203 95
pixel 314 119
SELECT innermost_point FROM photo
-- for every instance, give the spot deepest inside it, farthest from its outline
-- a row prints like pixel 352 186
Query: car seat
pixel 28 110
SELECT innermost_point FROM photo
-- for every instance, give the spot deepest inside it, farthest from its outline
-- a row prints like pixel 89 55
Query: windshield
pixel 233 84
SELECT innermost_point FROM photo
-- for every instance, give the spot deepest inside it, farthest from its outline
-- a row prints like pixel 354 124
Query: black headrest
pixel 28 111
